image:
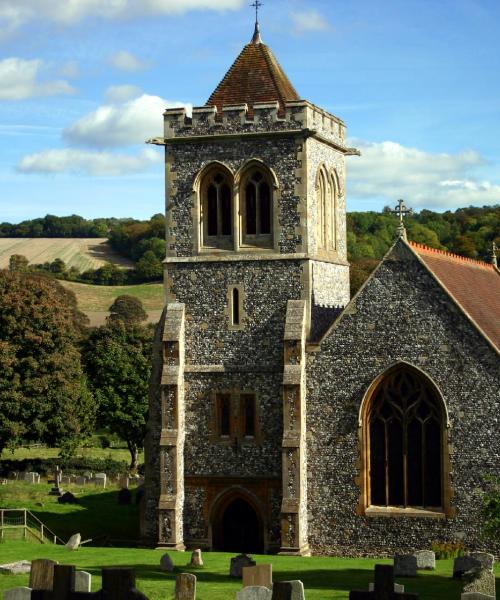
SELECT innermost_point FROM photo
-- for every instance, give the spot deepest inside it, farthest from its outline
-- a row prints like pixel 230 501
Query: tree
pixel 117 358
pixel 128 309
pixel 491 508
pixel 43 391
pixel 149 266
pixel 18 262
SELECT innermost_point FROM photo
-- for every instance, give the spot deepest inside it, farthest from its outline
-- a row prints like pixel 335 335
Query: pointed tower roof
pixel 256 76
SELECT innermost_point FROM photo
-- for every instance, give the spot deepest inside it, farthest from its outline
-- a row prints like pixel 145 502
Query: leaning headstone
pixel 166 563
pixel 480 581
pixel 260 575
pixel 485 559
pixel 405 565
pixel 196 560
pixel 475 596
pixel 185 587
pixel 42 574
pixel 426 560
pixel 237 564
pixel 18 593
pixel 74 542
pixel 254 592
pixel 16 568
pixel 83 581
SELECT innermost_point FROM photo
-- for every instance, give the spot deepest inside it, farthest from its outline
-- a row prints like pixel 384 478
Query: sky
pixel 83 83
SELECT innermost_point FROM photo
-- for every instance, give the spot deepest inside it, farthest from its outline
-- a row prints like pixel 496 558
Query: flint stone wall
pixel 401 315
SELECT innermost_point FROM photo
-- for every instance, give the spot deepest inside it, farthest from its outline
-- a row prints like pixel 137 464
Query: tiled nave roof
pixel 473 284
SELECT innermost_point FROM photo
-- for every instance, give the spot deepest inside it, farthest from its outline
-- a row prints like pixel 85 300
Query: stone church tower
pixel 256 250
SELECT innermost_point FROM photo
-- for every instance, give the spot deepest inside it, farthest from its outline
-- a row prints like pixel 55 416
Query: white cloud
pixel 310 20
pixel 70 160
pixel 70 69
pixel 389 171
pixel 20 79
pixel 125 61
pixel 14 13
pixel 121 93
pixel 121 124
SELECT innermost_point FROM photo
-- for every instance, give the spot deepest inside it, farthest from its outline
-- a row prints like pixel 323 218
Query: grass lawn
pixel 324 578
pixel 118 454
pixel 95 298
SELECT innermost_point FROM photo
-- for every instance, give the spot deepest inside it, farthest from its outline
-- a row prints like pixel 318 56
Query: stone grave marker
pixel 476 596
pixel 485 559
pixel 124 482
pixel 398 588
pixel 66 479
pixel 260 575
pixel 166 563
pixel 405 565
pixel 282 590
pixel 80 480
pixel 196 559
pixel 426 560
pixel 88 474
pixel 237 564
pixel 18 593
pixel 16 568
pixel 254 592
pixel 185 587
pixel 74 542
pixel 83 581
pixel 42 574
pixel 383 588
pixel 481 581
pixel 100 479
pixel 32 477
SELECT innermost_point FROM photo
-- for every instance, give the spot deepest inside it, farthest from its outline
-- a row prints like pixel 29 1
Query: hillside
pixel 81 253
pixel 95 300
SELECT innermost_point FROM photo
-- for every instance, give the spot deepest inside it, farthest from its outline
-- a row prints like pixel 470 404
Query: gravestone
pixel 66 479
pixel 282 590
pixel 254 592
pixel 68 498
pixel 42 574
pixel 16 568
pixel 32 477
pixel 88 474
pixel 166 563
pixel 398 588
pixel 100 479
pixel 426 560
pixel 83 581
pixel 18 593
pixel 383 588
pixel 260 575
pixel 124 482
pixel 185 587
pixel 481 581
pixel 56 490
pixel 196 559
pixel 484 559
pixel 74 542
pixel 476 596
pixel 237 564
pixel 405 565
pixel 80 480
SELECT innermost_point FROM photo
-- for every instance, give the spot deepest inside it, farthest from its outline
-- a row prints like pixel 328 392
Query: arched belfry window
pixel 326 210
pixel 217 209
pixel 256 199
pixel 404 434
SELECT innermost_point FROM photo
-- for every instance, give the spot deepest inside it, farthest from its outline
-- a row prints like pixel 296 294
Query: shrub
pixel 444 550
pixel 491 509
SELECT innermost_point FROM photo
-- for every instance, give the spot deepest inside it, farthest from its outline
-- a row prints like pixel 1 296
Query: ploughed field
pixel 324 578
pixel 82 253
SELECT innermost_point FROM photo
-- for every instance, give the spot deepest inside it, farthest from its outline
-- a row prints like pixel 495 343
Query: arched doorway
pixel 237 527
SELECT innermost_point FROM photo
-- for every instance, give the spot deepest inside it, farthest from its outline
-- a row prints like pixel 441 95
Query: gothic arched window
pixel 326 207
pixel 257 209
pixel 404 433
pixel 217 209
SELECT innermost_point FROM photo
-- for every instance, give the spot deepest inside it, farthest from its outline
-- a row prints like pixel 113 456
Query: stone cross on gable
pixel 401 211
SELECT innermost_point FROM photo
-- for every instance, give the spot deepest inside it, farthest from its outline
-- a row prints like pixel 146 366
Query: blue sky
pixel 84 82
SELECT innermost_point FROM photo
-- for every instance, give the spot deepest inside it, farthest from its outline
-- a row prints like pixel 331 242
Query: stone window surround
pixel 235 243
pixel 232 326
pixel 365 508
pixel 236 419
pixel 327 208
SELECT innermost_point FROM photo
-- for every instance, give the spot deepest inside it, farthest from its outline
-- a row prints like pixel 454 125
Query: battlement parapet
pixel 261 117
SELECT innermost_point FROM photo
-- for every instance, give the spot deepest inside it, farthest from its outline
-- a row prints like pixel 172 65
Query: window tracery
pixel 257 209
pixel 217 209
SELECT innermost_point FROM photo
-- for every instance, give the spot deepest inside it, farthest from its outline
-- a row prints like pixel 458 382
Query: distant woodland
pixel 466 231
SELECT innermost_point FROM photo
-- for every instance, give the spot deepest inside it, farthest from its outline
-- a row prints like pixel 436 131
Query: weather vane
pixel 401 211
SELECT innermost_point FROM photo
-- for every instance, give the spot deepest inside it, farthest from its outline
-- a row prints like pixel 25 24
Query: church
pixel 286 416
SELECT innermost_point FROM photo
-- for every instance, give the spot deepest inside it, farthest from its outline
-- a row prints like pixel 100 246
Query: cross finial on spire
pixel 401 211
pixel 256 36
pixel 494 251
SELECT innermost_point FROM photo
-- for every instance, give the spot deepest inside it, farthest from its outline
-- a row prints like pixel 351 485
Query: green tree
pixel 149 267
pixel 43 391
pixel 118 363
pixel 128 309
pixel 18 262
pixel 491 509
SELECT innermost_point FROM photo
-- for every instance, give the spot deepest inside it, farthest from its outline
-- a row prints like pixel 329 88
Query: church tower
pixel 256 243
